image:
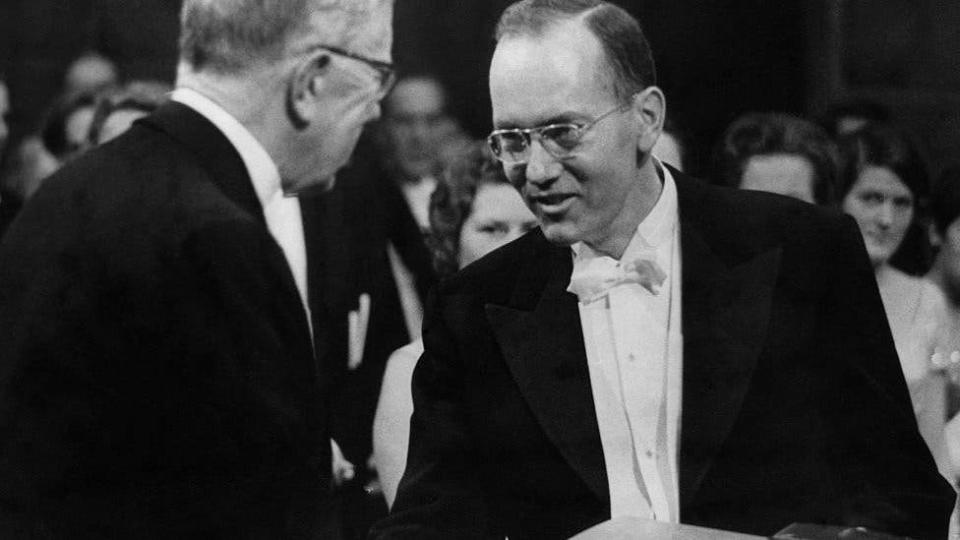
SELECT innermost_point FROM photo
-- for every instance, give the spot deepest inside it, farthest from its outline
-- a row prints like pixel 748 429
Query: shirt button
pixel 632 357
pixel 649 453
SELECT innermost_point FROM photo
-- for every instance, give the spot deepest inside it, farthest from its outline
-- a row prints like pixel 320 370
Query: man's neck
pixel 247 98
pixel 640 203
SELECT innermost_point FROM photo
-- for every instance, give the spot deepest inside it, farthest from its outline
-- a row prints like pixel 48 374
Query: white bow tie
pixel 594 277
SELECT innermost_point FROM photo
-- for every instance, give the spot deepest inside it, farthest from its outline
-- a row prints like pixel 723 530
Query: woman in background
pixel 473 211
pixel 882 181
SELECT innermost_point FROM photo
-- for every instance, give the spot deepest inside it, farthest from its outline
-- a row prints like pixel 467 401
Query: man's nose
pixel 541 167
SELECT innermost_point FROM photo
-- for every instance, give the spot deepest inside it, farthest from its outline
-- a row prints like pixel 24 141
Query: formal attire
pixel 394 269
pixel 792 404
pixel 391 424
pixel 919 321
pixel 159 380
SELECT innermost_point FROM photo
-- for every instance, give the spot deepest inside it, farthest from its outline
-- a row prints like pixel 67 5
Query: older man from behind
pixel 165 358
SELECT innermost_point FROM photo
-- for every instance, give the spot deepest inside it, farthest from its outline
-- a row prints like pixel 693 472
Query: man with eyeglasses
pixel 170 330
pixel 659 349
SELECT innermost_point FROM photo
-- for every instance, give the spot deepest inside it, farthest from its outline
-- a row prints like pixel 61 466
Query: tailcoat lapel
pixel 727 288
pixel 542 342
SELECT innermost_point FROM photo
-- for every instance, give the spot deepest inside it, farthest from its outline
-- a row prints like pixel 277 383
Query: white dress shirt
pixel 282 213
pixel 634 352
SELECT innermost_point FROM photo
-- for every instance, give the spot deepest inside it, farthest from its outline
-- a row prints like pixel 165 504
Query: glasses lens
pixel 509 145
pixel 561 137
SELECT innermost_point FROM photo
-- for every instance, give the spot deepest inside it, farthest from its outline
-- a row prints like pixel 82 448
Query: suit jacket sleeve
pixel 886 472
pixel 439 495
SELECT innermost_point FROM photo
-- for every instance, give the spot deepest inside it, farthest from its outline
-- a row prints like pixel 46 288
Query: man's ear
pixel 306 84
pixel 650 109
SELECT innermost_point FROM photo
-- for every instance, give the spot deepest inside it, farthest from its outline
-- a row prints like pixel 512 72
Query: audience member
pixel 66 128
pixel 8 204
pixel 945 236
pixel 778 153
pixel 90 73
pixel 415 132
pixel 170 330
pixel 473 211
pixel 117 109
pixel 4 114
pixel 945 273
pixel 882 179
pixel 573 376
pixel 672 147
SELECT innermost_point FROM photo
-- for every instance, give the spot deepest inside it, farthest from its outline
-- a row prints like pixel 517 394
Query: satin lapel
pixel 227 171
pixel 726 307
pixel 542 343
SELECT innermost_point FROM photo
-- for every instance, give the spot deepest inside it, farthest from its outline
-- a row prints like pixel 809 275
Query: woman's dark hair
pixel 888 146
pixel 758 134
pixel 452 201
pixel 882 145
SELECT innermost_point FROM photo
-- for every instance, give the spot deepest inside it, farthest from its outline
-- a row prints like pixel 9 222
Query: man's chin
pixel 561 234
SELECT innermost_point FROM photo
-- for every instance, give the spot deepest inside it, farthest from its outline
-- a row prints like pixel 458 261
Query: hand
pixel 341 469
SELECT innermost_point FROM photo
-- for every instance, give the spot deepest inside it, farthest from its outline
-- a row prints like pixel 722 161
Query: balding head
pixel 234 36
pixel 625 48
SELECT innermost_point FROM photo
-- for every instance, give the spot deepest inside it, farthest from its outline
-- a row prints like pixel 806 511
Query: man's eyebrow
pixel 566 117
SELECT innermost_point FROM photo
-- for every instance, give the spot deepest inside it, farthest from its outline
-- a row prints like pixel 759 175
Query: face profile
pixel 336 90
pixel 591 193
pixel 883 205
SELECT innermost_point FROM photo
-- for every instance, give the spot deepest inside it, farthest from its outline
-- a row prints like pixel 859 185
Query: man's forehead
pixel 538 77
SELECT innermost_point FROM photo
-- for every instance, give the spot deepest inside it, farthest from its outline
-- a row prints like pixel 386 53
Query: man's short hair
pixel 760 134
pixel 624 44
pixel 228 36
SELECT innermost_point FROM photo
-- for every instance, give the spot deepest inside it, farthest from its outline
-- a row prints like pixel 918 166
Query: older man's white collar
pixel 260 166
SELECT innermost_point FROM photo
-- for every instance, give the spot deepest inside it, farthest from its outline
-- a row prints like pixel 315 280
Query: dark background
pixel 716 58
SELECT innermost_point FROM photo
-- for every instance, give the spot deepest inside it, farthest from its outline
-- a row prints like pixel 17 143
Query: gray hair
pixel 228 36
pixel 621 37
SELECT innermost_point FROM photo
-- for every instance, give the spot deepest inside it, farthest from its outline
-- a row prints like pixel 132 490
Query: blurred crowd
pixel 431 200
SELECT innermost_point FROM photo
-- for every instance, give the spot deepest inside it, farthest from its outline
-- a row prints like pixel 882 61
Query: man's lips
pixel 552 202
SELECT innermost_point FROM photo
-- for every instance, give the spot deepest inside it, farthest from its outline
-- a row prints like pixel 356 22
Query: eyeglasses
pixel 512 146
pixel 386 73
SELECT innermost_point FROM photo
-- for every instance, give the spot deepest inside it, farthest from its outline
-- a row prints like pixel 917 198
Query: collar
pixel 260 166
pixel 656 229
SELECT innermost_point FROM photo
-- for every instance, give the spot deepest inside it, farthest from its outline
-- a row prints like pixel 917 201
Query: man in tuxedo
pixel 166 327
pixel 658 348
